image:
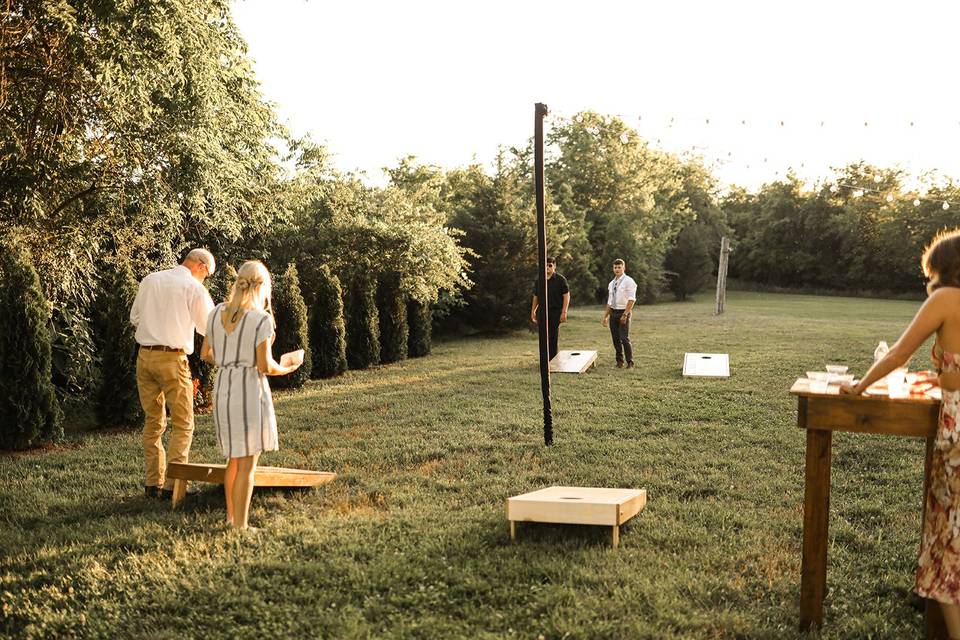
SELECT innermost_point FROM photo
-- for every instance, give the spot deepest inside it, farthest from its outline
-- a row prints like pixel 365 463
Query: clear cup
pixel 818 386
pixel 897 383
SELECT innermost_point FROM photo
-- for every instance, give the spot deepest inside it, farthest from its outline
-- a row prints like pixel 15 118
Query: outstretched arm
pixel 924 324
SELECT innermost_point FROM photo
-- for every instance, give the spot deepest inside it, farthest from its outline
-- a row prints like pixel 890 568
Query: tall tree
pixel 31 413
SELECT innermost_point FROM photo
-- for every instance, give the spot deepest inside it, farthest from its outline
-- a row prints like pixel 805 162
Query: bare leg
pixel 951 615
pixel 229 477
pixel 243 490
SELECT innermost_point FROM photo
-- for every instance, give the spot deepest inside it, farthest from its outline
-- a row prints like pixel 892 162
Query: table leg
pixel 816 517
pixel 513 530
pixel 936 627
pixel 616 536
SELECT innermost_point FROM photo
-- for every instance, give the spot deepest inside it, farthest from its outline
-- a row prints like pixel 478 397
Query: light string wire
pixel 857 190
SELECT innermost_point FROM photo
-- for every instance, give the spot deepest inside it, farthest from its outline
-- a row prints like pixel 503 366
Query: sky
pixel 754 88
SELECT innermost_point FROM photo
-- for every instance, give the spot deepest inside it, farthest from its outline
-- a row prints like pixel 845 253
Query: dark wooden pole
pixel 540 111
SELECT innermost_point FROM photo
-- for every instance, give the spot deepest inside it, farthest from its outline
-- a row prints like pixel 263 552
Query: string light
pixel 889 197
pixel 916 202
pixel 946 205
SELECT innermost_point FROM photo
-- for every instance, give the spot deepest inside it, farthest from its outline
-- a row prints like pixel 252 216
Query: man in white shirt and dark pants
pixel 621 296
pixel 170 305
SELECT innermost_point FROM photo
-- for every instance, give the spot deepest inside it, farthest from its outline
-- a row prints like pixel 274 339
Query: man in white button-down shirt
pixel 621 296
pixel 170 305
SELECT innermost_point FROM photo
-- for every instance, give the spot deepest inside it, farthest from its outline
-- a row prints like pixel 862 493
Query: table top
pixel 875 393
pixel 581 495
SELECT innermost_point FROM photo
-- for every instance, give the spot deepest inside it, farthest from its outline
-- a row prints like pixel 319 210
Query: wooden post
pixel 540 111
pixel 722 274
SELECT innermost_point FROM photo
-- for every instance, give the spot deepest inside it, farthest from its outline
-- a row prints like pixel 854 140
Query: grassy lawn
pixel 411 541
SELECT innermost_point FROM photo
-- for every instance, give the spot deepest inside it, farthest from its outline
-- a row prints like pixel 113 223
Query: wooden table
pixel 821 414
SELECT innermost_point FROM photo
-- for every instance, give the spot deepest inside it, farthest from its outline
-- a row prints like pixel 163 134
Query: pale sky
pixel 449 81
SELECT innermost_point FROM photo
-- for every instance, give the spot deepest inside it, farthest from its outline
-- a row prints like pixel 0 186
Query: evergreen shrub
pixel 363 324
pixel 30 412
pixel 328 334
pixel 420 322
pixel 392 309
pixel 290 312
pixel 117 400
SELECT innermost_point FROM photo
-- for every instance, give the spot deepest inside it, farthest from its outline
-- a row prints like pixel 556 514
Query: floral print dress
pixel 938 573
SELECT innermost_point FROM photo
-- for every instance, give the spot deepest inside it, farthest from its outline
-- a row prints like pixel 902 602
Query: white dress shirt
pixel 620 291
pixel 170 305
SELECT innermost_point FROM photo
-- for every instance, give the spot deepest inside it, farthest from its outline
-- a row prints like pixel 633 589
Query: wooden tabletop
pixel 874 394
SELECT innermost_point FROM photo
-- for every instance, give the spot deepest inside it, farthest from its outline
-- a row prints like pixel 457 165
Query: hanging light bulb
pixel 916 202
pixel 834 188
pixel 889 197
pixel 878 178
pixel 946 205
pixel 579 118
pixel 624 138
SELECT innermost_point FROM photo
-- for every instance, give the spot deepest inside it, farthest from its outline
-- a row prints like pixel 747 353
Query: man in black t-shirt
pixel 558 299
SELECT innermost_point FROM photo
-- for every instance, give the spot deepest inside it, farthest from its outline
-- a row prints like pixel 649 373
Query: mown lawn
pixel 411 541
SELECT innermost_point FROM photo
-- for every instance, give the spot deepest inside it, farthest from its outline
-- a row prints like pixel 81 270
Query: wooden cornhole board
pixel 706 365
pixel 182 472
pixel 577 505
pixel 573 361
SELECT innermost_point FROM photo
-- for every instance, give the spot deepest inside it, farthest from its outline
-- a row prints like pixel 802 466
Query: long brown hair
pixel 941 260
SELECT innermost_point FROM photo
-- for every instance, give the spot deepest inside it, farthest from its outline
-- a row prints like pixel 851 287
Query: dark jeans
pixel 553 329
pixel 621 335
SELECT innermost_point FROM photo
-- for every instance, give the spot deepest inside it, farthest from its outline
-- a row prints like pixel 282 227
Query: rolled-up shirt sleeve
pixel 137 306
pixel 200 307
pixel 631 290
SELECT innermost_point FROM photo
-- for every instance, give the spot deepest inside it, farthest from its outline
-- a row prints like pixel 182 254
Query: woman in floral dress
pixel 938 573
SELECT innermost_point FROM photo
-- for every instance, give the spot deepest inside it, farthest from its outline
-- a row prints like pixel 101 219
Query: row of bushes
pixel 370 323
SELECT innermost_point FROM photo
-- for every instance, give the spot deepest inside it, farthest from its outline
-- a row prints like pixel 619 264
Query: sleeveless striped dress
pixel 243 413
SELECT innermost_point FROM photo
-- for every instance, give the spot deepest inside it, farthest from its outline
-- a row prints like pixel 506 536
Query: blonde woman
pixel 240 333
pixel 938 571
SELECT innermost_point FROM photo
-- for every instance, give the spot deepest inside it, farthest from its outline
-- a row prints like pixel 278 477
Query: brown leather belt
pixel 160 347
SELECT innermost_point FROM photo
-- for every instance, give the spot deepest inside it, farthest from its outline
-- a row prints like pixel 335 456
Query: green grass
pixel 411 540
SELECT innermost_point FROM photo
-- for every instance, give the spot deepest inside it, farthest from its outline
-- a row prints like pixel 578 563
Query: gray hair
pixel 204 256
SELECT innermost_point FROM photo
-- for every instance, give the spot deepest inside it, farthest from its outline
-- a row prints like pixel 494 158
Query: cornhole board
pixel 577 505
pixel 182 472
pixel 573 361
pixel 706 365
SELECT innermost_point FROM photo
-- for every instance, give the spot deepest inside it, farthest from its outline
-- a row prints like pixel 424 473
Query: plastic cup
pixel 897 382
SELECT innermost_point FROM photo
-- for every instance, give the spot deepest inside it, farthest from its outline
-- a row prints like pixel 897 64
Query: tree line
pixel 132 132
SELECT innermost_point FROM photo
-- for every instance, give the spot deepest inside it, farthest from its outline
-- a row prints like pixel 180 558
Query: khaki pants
pixel 164 376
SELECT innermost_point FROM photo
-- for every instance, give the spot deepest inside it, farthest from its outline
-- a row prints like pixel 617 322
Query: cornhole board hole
pixel 706 365
pixel 182 472
pixel 577 505
pixel 573 361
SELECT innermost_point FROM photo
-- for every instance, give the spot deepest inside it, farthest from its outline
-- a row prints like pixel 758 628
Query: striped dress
pixel 243 413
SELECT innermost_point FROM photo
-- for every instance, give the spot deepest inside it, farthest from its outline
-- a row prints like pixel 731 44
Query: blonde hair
pixel 251 289
pixel 941 260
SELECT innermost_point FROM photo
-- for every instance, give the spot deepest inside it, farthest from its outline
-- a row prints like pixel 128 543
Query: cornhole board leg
pixel 179 491
pixel 181 472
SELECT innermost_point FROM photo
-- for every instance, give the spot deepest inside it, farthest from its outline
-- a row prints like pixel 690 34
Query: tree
pixel 363 323
pixel 626 196
pixel 31 413
pixel 127 129
pixel 392 311
pixel 327 329
pixel 420 321
pixel 290 312
pixel 690 262
pixel 118 401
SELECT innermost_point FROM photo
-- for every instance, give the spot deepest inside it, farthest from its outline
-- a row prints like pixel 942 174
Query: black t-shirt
pixel 556 288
